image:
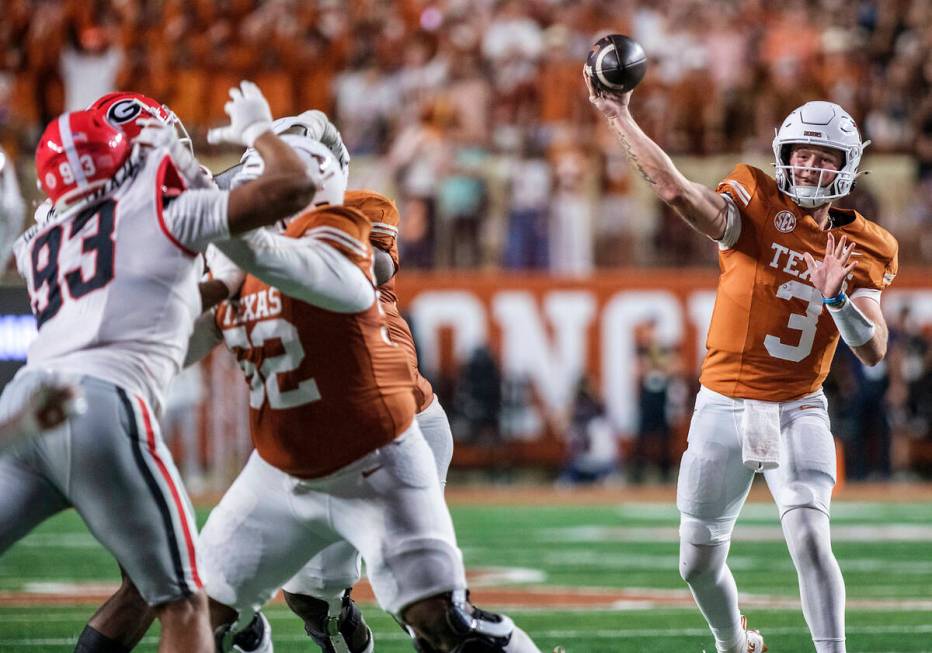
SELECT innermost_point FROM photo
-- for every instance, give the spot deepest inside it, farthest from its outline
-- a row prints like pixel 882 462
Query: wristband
pixel 837 300
pixel 853 325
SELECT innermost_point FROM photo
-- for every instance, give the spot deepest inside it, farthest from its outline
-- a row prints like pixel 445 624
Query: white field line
pixel 743 533
pixel 668 562
pixel 859 512
pixel 563 634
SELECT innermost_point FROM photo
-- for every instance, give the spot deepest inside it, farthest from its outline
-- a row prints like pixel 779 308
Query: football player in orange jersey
pixel 786 253
pixel 320 592
pixel 332 408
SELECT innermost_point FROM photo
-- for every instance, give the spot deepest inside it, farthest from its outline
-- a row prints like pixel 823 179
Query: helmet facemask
pixel 826 125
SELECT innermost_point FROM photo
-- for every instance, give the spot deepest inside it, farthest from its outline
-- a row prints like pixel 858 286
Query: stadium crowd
pixel 475 115
pixel 476 110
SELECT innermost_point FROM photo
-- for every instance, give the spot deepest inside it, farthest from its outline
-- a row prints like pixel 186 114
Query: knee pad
pixel 705 532
pixel 335 624
pixel 814 492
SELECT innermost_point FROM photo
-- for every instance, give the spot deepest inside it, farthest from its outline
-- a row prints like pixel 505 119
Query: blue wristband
pixel 840 298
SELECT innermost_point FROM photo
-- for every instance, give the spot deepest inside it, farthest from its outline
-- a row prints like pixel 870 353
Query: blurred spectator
pixel 89 67
pixel 462 204
pixel 478 398
pixel 593 443
pixel 865 426
pixel 571 248
pixel 658 384
pixel 418 158
pixel 527 240
pixel 12 208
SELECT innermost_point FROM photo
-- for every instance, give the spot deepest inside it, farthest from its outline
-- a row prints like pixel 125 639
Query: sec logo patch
pixel 784 221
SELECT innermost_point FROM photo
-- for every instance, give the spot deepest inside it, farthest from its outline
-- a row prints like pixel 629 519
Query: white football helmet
pixel 315 124
pixel 828 125
pixel 318 157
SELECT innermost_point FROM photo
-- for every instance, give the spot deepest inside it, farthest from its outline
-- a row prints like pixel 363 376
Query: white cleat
pixel 754 638
pixel 265 641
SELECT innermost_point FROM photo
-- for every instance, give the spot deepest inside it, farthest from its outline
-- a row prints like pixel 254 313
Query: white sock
pixel 821 586
pixel 703 568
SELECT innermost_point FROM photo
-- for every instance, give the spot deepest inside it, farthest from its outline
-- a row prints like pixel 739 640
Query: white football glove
pixel 250 117
pixel 224 270
pixel 156 133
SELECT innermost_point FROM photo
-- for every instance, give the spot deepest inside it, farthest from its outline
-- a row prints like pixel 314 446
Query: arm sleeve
pixel 304 268
pixel 732 224
pixel 196 218
pixel 204 338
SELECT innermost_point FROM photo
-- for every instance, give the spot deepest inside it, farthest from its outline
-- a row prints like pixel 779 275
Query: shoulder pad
pixel 741 183
pixel 340 226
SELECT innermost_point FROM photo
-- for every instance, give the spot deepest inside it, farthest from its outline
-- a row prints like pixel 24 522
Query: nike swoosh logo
pixel 366 473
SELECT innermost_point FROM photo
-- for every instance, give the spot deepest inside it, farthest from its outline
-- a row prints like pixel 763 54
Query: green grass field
pixel 593 578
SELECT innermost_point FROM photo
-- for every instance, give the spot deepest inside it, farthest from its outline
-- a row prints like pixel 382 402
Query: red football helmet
pixel 80 158
pixel 124 110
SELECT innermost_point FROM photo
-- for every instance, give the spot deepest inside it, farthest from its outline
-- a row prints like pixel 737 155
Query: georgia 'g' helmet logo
pixel 123 111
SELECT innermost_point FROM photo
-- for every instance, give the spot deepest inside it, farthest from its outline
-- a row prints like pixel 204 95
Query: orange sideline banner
pixel 552 330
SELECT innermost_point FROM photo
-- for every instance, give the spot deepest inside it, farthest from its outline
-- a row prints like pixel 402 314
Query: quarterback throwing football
pixel 778 315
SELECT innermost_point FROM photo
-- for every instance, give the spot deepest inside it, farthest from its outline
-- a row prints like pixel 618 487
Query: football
pixel 616 63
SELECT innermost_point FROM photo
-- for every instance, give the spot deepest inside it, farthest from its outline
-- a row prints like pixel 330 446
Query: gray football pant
pixel 111 465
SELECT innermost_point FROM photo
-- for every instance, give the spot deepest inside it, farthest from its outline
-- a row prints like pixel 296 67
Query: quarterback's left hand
pixel 828 275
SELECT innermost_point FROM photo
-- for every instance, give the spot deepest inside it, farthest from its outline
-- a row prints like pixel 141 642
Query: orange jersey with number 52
pixel 770 337
pixel 326 388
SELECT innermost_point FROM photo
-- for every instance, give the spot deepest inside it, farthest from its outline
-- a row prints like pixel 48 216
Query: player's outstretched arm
pixel 304 268
pixel 700 206
pixel 860 321
pixel 285 186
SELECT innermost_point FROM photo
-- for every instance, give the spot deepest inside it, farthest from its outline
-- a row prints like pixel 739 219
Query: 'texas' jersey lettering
pixel 770 338
pixel 266 302
pixel 326 388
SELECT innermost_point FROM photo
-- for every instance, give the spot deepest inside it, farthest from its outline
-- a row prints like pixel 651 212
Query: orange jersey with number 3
pixel 770 337
pixel 383 214
pixel 326 388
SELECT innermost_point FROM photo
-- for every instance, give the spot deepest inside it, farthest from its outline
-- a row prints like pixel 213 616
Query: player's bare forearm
pixel 212 293
pixel 874 350
pixel 284 188
pixel 699 206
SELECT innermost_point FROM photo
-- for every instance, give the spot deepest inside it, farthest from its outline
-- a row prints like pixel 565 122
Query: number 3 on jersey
pixel 805 324
pixel 46 250
pixel 264 380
